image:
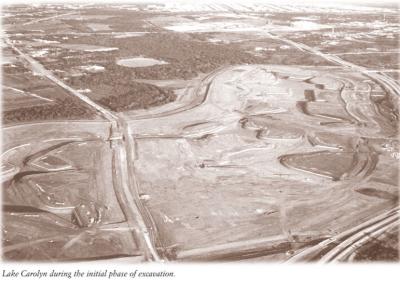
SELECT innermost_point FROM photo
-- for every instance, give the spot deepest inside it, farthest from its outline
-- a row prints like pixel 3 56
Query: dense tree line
pixel 116 89
pixel 63 109
pixel 141 97
pixel 187 55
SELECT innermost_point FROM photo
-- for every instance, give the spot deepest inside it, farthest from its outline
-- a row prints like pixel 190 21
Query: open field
pixel 284 164
pixel 28 97
pixel 204 132
pixel 59 181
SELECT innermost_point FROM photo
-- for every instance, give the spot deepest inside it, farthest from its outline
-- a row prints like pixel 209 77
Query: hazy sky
pixel 277 2
pixel 328 2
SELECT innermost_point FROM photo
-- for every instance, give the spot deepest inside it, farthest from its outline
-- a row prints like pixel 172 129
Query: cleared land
pixel 219 133
pixel 58 201
pixel 233 174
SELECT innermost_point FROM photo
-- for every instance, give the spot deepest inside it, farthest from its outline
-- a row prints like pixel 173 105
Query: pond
pixel 138 62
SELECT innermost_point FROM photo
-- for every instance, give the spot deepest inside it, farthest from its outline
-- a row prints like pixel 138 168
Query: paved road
pixel 49 18
pixel 349 246
pixel 124 148
pixel 124 151
pixel 127 194
pixel 38 68
pixel 373 223
pixel 385 80
pixel 393 87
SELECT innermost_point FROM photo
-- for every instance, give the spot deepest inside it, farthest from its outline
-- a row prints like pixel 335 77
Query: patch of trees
pixel 138 96
pixel 116 89
pixel 66 108
pixel 373 61
pixel 187 55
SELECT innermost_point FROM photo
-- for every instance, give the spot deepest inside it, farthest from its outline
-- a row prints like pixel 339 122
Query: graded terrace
pixel 222 132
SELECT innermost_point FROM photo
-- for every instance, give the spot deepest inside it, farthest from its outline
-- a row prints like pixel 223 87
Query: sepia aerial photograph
pixel 200 131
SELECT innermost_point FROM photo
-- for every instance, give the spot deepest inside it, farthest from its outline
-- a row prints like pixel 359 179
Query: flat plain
pixel 223 132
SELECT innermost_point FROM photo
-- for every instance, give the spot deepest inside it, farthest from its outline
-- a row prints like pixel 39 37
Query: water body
pixel 137 62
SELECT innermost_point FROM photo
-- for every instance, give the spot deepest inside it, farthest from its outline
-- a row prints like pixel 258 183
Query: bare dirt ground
pixel 236 133
pixel 57 192
pixel 257 163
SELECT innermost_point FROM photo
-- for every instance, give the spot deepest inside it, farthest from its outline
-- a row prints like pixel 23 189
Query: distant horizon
pixel 293 2
pixel 214 132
